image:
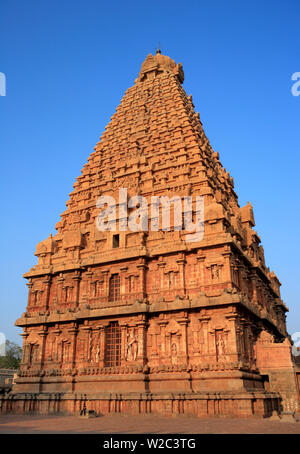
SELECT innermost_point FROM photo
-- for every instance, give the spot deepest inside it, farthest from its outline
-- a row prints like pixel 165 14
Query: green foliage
pixel 13 356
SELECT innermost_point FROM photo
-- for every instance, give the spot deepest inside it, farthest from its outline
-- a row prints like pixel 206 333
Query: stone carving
pixel 31 352
pixel 153 338
pixel 220 346
pixel 174 353
pixel 97 356
pixel 37 297
pixel 132 348
pixel 215 272
pixel 64 351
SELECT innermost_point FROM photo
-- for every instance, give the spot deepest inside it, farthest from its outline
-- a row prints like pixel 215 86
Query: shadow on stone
pixel 89 414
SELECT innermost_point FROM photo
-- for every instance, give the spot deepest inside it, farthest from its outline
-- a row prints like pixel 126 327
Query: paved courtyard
pixel 121 424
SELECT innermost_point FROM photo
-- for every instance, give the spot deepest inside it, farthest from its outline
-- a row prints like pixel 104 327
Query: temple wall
pixel 201 405
pixel 275 361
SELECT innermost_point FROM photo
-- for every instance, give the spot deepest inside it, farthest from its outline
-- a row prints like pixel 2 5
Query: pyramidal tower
pixel 130 309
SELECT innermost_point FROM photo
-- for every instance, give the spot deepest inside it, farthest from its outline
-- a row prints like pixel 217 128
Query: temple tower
pixel 139 317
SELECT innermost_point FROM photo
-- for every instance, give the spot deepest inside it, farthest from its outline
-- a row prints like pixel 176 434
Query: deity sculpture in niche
pixel 132 347
pixel 174 353
pixel 220 345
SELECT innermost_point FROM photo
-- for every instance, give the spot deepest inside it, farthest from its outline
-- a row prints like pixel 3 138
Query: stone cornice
pixel 128 253
pixel 202 301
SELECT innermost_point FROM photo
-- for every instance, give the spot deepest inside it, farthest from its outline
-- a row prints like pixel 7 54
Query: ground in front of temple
pixel 147 424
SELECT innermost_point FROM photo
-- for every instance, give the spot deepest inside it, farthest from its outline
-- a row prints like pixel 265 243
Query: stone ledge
pixel 236 395
pixel 226 298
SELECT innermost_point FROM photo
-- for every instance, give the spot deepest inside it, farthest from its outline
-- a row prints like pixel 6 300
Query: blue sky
pixel 67 66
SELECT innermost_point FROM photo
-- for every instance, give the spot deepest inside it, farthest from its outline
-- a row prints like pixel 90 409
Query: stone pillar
pixel 89 343
pixel 181 262
pixel 201 277
pixel 73 333
pixel 123 279
pixel 204 320
pixel 161 265
pixel 43 335
pixel 24 359
pixel 233 338
pixel 251 345
pixel 142 279
pixel 105 274
pixel 142 356
pixel 29 285
pixel 76 279
pixel 246 324
pixel 254 290
pixel 85 342
pixel 124 330
pixel 46 293
pixel 184 344
pixel 168 338
pixel 162 325
pixel 89 274
pixel 154 344
pixel 236 273
pixel 227 277
pixel 60 281
pixel 259 292
pixel 102 345
pixel 57 333
pixel 196 342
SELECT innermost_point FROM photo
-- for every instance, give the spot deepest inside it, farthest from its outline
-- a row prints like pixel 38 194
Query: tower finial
pixel 158 51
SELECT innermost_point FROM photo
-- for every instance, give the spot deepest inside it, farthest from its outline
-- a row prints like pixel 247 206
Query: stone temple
pixel 143 320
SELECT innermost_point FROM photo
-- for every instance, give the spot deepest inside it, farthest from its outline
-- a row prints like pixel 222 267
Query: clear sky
pixel 67 65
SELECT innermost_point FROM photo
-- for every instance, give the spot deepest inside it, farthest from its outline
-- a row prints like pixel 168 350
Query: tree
pixel 13 356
